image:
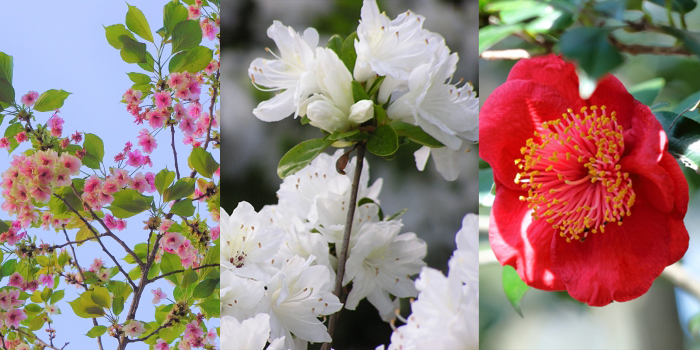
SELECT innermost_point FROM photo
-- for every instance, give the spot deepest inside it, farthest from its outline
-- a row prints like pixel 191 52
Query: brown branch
pixel 513 54
pixel 339 290
pixel 211 110
pixel 178 271
pixel 636 49
pixel 59 246
pixel 172 143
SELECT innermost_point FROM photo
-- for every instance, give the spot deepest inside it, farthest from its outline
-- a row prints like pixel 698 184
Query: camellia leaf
pixel 50 100
pixel 132 50
pixel 183 208
pixel 683 138
pixel 181 189
pixel 192 60
pixel 7 92
pixel 492 34
pixel 682 6
pixel 164 179
pixel 300 156
pixel 383 141
pixel 514 287
pixel 203 162
pixel 186 35
pixel 6 66
pixel 646 92
pixel 137 23
pixel 96 331
pixel 113 33
pixel 173 13
pixel 591 49
pixel 128 203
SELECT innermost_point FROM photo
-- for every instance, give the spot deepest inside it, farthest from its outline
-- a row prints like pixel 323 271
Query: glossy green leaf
pixel 137 23
pixel 164 179
pixel 300 156
pixel 205 288
pixel 113 33
pixel 383 141
pixel 132 50
pixel 681 6
pixel 7 92
pixel 96 331
pixel 193 60
pixel 591 49
pixel 683 138
pixel 514 287
pixel 415 134
pixel 6 66
pixel 492 34
pixel 128 203
pixel 186 35
pixel 335 43
pixel 358 92
pixel 183 208
pixel 139 78
pixel 646 92
pixel 173 13
pixel 347 52
pixel 203 162
pixel 50 100
pixel 181 189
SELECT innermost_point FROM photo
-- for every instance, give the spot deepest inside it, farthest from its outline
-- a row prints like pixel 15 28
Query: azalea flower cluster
pixel 444 316
pixel 416 67
pixel 278 262
pixel 32 178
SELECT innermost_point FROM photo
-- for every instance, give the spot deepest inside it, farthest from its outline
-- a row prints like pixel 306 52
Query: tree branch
pixel 172 143
pixel 636 49
pixel 178 271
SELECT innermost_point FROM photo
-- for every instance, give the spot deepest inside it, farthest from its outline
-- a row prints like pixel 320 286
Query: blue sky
pixel 61 45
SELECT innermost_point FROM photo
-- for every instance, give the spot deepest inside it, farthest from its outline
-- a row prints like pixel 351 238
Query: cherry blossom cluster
pixel 416 67
pixel 11 312
pixel 210 27
pixel 97 192
pixel 32 178
pixel 278 262
pixel 445 314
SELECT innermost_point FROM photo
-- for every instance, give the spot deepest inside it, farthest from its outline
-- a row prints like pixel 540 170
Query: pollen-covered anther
pixel 571 173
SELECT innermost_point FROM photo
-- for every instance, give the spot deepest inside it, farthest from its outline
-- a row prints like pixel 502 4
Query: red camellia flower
pixel 588 199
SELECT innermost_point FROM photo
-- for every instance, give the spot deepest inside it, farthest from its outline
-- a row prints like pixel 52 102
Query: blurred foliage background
pixel 251 149
pixel 604 36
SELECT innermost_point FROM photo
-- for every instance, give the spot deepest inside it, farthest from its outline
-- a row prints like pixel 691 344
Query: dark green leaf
pixel 203 162
pixel 683 138
pixel 181 189
pixel 492 34
pixel 691 40
pixel 7 92
pixel 681 6
pixel 139 78
pixel 646 92
pixel 335 43
pixel 375 86
pixel 514 287
pixel 4 227
pixel 358 92
pixel 113 33
pixel 205 288
pixel 50 100
pixel 132 50
pixel 186 35
pixel 8 268
pixel 173 13
pixel 300 156
pixel 348 54
pixel 383 141
pixel 96 331
pixel 192 60
pixel 183 208
pixel 6 66
pixel 164 179
pixel 128 203
pixel 591 49
pixel 415 134
pixel 137 23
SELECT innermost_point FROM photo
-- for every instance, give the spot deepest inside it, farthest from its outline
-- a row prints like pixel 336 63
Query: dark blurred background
pixel 251 149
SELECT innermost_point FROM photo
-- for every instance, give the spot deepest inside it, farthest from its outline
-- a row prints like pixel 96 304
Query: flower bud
pixel 361 111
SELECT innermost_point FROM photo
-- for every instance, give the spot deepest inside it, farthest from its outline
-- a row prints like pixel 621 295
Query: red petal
pixel 553 71
pixel 520 242
pixel 679 234
pixel 614 96
pixel 509 117
pixel 619 264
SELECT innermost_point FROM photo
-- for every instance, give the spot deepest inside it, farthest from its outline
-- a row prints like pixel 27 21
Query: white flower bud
pixel 361 111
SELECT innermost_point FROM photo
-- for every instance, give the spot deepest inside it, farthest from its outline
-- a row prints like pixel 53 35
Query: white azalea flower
pixel 465 260
pixel 239 296
pixel 250 334
pixel 300 241
pixel 391 48
pixel 289 72
pixel 295 297
pixel 249 242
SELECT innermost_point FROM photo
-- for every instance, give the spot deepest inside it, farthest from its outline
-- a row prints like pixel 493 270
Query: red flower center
pixel 572 175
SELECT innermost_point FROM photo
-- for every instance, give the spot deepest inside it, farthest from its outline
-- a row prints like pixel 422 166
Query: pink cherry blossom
pixel 30 98
pixel 162 99
pixel 171 240
pixel 215 231
pixel 158 295
pixel 209 29
pixel 161 345
pixel 97 264
pixel 46 280
pixel 212 67
pixel 133 328
pixel 5 143
pixel 135 158
pixel 193 12
pixel 147 141
pixel 151 180
pixel 21 137
pixel 9 298
pixel 14 317
pixel 16 280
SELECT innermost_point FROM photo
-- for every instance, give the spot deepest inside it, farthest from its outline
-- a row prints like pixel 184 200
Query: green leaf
pixel 376 84
pixel 691 40
pixel 128 203
pixel 8 268
pixel 492 34
pixel 186 35
pixel 7 92
pixel 32 309
pixel 56 296
pixel 681 6
pixel 164 179
pixel 646 92
pixel 335 43
pixel 683 138
pixel 181 189
pixel 93 145
pixel 137 23
pixel 96 331
pixel 383 141
pixel 37 322
pixel 139 78
pixel 188 278
pixel 300 156
pixel 118 305
pixel 486 198
pixel 347 52
pixel 204 289
pixel 192 60
pixel 591 49
pixel 132 50
pixel 50 100
pixel 203 162
pixel 358 92
pixel 115 31
pixel 84 307
pixel 514 287
pixel 169 263
pixel 183 208
pixel 101 297
pixel 149 65
pixel 415 134
pixel 173 13
pixel 4 227
pixel 6 66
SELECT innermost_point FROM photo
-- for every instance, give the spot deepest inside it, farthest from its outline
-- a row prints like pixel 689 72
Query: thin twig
pixel 339 291
pixel 178 271
pixel 636 49
pixel 172 143
pixel 59 246
pixel 211 110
